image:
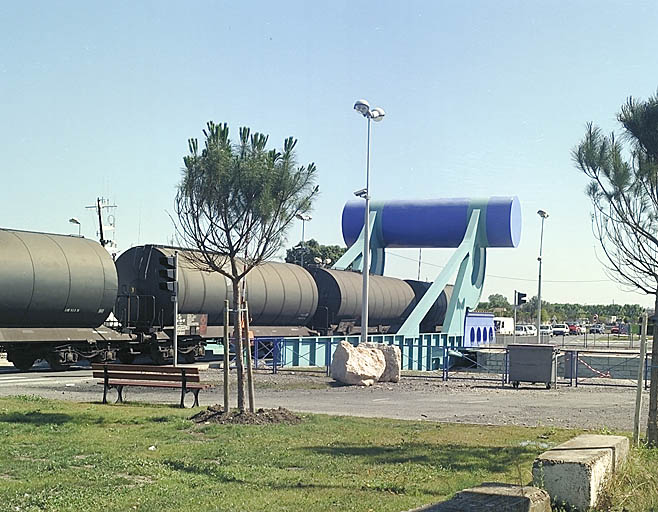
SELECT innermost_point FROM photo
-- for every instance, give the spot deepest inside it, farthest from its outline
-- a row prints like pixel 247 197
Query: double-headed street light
pixel 303 217
pixel 375 114
pixel 543 216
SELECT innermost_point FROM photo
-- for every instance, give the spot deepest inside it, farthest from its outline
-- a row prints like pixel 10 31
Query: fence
pixel 424 353
pixel 447 356
pixel 581 340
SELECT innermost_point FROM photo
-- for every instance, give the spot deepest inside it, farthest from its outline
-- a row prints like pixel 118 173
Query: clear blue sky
pixel 482 98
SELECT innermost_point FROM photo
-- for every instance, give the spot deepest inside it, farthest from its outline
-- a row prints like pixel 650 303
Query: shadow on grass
pixel 453 457
pixel 202 470
pixel 211 472
pixel 36 418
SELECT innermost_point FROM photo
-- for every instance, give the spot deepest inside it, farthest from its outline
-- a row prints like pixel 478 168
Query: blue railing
pixel 424 353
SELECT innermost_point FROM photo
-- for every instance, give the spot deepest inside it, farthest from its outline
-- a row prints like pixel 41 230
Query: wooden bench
pixel 118 376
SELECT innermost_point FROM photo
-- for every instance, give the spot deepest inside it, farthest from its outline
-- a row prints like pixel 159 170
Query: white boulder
pixel 361 366
pixel 393 361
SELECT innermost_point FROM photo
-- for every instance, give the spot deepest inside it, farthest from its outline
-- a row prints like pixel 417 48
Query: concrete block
pixel 494 497
pixel 574 472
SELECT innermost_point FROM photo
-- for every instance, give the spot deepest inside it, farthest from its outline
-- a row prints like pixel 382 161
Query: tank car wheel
pixel 548 385
pixel 125 356
pixel 157 357
pixel 188 358
pixel 22 362
pixel 515 384
pixel 53 362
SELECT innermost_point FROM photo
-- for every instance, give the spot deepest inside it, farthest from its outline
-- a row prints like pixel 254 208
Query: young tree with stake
pixel 234 205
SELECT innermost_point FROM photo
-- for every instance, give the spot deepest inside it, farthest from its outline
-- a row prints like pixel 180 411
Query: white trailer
pixel 504 325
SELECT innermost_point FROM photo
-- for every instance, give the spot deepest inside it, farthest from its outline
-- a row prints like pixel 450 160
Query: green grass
pixel 634 488
pixel 62 456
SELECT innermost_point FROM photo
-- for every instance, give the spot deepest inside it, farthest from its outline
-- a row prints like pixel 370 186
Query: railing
pixel 424 353
pixel 588 340
pixel 440 354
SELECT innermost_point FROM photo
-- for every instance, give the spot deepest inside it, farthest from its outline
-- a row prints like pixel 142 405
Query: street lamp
pixel 543 216
pixel 375 114
pixel 74 220
pixel 303 217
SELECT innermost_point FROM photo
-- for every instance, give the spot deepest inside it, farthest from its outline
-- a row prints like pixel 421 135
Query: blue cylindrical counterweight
pixel 436 222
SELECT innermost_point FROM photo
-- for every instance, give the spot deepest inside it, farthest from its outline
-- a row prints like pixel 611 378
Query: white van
pixel 504 325
pixel 522 330
pixel 526 330
pixel 532 330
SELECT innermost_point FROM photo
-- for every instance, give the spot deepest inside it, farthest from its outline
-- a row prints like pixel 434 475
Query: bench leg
pixel 119 394
pixel 196 398
pixel 105 388
pixel 183 392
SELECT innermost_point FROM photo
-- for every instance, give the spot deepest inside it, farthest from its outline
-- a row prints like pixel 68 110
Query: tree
pixel 623 189
pixel 234 205
pixel 497 300
pixel 311 249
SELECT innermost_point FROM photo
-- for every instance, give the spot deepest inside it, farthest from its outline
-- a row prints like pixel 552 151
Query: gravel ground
pixel 462 400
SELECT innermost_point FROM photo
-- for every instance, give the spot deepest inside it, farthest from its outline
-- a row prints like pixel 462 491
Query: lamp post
pixel 303 217
pixel 375 114
pixel 543 216
pixel 74 220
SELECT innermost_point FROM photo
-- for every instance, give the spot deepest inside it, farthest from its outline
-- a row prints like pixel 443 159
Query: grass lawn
pixel 66 456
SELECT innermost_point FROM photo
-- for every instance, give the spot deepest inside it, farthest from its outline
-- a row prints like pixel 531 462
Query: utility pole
pixel 100 205
pixel 175 299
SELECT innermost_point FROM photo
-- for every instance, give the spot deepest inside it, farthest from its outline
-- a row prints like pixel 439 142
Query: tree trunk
pixel 652 427
pixel 237 337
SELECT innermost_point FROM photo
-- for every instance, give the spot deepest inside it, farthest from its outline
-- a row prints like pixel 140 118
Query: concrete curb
pixel 574 472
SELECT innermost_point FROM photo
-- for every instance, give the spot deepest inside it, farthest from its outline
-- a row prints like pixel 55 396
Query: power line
pixel 511 278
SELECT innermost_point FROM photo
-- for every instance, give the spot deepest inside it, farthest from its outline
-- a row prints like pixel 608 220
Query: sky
pixel 482 99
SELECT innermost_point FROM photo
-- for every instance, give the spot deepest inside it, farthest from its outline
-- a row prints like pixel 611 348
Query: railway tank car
pixel 390 302
pixel 279 294
pixel 437 313
pixel 56 290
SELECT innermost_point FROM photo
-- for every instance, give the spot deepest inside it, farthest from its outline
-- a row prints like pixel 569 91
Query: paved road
pixel 464 401
pixel 14 382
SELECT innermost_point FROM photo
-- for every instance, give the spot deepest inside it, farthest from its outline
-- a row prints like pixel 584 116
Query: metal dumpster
pixel 532 363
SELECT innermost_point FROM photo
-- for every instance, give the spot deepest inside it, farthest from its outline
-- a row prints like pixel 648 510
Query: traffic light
pixel 519 298
pixel 168 274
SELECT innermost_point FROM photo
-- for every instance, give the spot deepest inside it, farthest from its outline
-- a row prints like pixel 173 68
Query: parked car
pixel 596 329
pixel 614 329
pixel 522 330
pixel 560 330
pixel 576 329
pixel 532 330
pixel 546 330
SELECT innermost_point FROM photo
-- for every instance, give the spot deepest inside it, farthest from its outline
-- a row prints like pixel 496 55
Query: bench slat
pixel 156 384
pixel 146 376
pixel 145 368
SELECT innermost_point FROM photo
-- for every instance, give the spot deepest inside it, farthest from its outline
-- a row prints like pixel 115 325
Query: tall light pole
pixel 375 114
pixel 74 220
pixel 303 217
pixel 543 216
